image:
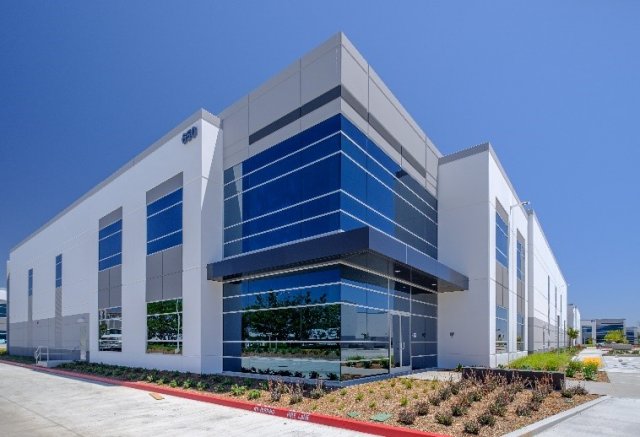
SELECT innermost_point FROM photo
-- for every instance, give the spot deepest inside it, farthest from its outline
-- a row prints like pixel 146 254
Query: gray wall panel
pixel 115 296
pixel 154 289
pixel 154 265
pixel 172 260
pixel 112 217
pixel 172 286
pixel 168 186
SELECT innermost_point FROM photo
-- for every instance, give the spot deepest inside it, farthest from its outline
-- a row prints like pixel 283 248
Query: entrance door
pixel 400 342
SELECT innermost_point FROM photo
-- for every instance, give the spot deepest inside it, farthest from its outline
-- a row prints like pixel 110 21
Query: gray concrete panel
pixel 154 265
pixel 154 289
pixel 112 217
pixel 103 298
pixel 115 276
pixel 115 296
pixel 168 186
pixel 172 286
pixel 172 260
pixel 103 279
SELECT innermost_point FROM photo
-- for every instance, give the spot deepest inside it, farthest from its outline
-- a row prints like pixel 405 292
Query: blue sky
pixel 554 86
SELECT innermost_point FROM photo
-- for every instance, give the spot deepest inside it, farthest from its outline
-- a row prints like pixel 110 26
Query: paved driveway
pixel 39 404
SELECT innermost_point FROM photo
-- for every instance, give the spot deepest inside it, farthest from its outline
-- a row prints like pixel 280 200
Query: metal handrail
pixel 38 353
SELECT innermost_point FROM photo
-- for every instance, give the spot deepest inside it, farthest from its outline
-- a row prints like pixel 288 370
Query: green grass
pixel 553 361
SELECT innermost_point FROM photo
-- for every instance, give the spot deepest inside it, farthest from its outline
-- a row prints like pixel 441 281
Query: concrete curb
pixel 549 422
pixel 320 419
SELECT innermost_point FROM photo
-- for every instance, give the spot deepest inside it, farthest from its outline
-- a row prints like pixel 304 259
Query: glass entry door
pixel 400 342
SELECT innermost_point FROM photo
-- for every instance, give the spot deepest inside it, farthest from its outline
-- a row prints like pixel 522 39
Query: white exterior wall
pixel 469 186
pixel 500 190
pixel 464 244
pixel 543 269
pixel 75 236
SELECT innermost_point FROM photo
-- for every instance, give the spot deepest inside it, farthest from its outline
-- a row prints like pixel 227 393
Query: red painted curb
pixel 320 419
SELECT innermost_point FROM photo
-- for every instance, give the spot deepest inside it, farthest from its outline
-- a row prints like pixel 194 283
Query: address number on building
pixel 189 135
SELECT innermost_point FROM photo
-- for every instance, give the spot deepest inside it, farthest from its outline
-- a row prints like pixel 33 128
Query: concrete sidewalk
pixel 40 404
pixel 617 416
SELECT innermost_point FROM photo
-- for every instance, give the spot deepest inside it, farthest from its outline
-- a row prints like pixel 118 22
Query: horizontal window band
pixel 362 150
pixel 334 212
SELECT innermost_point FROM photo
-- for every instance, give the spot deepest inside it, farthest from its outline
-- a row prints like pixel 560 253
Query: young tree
pixel 615 337
pixel 572 333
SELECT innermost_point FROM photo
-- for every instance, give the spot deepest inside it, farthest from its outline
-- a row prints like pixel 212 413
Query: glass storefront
pixel 335 321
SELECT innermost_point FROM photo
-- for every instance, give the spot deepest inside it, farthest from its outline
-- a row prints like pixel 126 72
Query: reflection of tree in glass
pixel 280 323
pixel 163 327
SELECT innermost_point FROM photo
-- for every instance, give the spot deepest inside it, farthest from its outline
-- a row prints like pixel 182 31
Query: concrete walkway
pixel 617 416
pixel 40 404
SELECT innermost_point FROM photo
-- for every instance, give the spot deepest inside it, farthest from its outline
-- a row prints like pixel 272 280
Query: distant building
pixel 596 329
pixel 633 334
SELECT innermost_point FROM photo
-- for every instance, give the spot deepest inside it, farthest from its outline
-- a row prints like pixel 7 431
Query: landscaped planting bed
pixel 454 408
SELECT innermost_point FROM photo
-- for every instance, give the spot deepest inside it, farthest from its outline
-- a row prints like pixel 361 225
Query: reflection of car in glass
pixel 332 333
pixel 111 339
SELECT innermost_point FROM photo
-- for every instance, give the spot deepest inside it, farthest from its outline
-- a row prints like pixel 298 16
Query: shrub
pixel 475 396
pixel 201 386
pixel 455 388
pixel 498 409
pixel 444 419
pixel 406 416
pixel 359 396
pixel 579 390
pixel 459 367
pixel 472 427
pixel 276 388
pixel 458 409
pixel 486 419
pixel 372 405
pixel 318 391
pixel 254 394
pixel 445 393
pixel 238 390
pixel 572 368
pixel 187 383
pixel 590 371
pixel 567 393
pixel 435 400
pixel 173 383
pixel 523 410
pixel 422 408
pixel 160 381
pixel 404 401
pixel 537 396
pixel 295 394
pixel 343 392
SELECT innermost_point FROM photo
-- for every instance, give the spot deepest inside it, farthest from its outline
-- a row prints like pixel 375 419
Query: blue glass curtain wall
pixel 164 222
pixel 110 245
pixel 330 322
pixel 328 178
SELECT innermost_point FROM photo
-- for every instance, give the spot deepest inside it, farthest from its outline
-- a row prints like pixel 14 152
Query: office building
pixel 310 229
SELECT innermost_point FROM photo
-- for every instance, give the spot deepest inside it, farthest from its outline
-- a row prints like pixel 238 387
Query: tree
pixel 572 333
pixel 615 337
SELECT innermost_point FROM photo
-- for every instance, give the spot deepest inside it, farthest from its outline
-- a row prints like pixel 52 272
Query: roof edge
pixel 200 114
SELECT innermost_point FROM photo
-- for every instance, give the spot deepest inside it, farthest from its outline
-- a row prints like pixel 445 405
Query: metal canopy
pixel 334 247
